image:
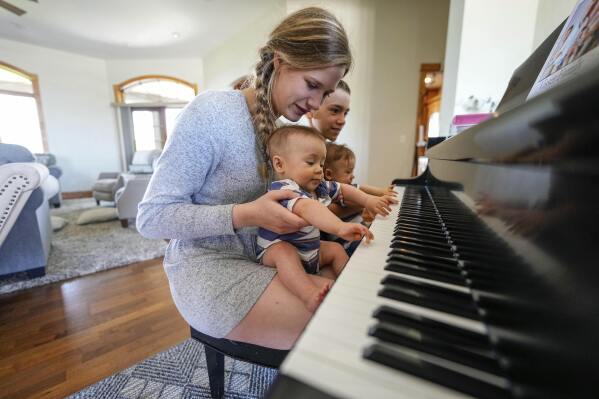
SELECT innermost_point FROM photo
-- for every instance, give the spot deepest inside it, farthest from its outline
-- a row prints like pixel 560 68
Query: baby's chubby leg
pixel 333 258
pixel 285 258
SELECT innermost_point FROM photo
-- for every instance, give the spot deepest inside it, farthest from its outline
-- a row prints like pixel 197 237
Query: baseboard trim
pixel 76 194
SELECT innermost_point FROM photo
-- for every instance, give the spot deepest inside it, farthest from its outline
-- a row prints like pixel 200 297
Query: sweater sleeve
pixel 192 152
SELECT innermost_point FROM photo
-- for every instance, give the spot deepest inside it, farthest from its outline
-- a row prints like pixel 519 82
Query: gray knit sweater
pixel 208 165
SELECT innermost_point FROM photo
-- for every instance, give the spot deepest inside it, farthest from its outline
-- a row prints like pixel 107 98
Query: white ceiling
pixel 130 29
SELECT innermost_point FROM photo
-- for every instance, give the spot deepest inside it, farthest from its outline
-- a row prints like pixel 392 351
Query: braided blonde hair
pixel 310 38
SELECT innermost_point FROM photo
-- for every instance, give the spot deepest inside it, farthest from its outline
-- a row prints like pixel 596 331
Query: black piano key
pixel 420 215
pixel 457 217
pixel 419 212
pixel 422 367
pixel 428 301
pixel 427 288
pixel 402 230
pixel 437 243
pixel 418 222
pixel 492 266
pixel 397 255
pixel 423 342
pixel 487 256
pixel 417 206
pixel 494 275
pixel 462 225
pixel 445 332
pixel 469 239
pixel 428 273
pixel 423 247
pixel 423 252
pixel 442 262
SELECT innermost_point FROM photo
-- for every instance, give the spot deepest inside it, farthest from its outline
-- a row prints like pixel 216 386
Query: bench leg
pixel 215 361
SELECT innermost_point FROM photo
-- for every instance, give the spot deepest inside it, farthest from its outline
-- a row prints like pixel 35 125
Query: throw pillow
pixel 97 215
pixel 58 222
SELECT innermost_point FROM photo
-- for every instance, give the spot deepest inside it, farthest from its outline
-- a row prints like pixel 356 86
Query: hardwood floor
pixel 59 338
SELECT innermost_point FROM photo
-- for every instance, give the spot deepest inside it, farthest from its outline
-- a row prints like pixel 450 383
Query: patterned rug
pixel 180 372
pixel 80 250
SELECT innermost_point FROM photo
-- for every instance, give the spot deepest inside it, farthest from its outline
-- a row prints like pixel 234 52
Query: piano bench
pixel 215 350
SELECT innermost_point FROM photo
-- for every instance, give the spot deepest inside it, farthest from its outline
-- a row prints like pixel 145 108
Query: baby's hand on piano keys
pixel 354 232
pixel 390 199
pixel 391 191
pixel 379 205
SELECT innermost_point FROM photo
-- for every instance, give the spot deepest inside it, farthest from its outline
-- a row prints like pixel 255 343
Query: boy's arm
pixel 378 191
pixel 320 216
pixel 343 211
pixel 374 205
pixel 372 190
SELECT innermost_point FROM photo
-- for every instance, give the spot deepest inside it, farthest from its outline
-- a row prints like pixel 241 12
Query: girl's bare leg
pixel 285 258
pixel 333 259
pixel 278 317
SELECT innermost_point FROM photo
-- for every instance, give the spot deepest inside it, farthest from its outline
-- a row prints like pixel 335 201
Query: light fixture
pixel 176 35
pixel 428 79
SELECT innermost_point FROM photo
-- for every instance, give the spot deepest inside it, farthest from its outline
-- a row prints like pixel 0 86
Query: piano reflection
pixel 484 280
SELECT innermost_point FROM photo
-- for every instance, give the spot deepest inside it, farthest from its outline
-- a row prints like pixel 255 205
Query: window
pixel 20 109
pixel 157 90
pixel 152 104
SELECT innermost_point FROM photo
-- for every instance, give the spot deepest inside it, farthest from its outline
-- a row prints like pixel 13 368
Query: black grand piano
pixel 484 280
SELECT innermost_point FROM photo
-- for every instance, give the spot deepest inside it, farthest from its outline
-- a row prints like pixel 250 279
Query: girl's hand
pixel 354 232
pixel 268 213
pixel 378 205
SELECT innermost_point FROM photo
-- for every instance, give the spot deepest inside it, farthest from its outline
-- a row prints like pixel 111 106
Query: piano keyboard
pixel 401 320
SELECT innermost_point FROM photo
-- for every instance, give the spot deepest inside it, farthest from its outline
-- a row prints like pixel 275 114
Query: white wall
pixel 407 34
pixel 80 123
pixel 239 53
pixel 451 64
pixel 497 37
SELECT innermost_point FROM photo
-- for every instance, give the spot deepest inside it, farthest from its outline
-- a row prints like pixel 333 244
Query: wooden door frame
pixel 422 92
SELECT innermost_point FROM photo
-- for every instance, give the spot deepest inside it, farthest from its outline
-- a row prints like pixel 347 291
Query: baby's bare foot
pixel 316 298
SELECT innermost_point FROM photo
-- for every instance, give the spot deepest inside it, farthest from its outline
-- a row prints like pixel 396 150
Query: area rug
pixel 180 372
pixel 80 250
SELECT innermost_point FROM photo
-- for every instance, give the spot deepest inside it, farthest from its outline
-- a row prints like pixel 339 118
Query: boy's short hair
pixel 338 152
pixel 344 86
pixel 277 141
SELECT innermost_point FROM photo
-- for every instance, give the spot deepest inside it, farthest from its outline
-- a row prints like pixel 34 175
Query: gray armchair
pixel 106 186
pixel 109 183
pixel 25 228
